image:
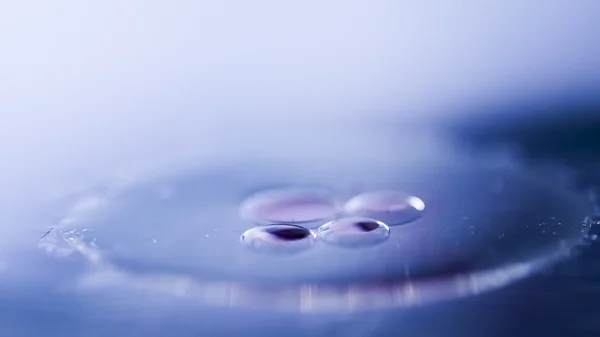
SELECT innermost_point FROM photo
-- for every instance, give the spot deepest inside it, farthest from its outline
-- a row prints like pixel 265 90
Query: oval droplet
pixel 291 205
pixel 391 207
pixel 278 239
pixel 354 232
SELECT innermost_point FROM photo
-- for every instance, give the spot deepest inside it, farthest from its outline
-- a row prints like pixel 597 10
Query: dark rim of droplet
pixel 367 226
pixel 289 233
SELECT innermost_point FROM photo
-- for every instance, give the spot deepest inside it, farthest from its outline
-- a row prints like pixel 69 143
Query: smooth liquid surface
pixel 391 207
pixel 288 205
pixel 278 239
pixel 497 228
pixel 354 232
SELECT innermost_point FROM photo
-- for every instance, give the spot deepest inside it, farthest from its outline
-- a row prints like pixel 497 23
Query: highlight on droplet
pixel 391 207
pixel 278 239
pixel 354 232
pixel 289 205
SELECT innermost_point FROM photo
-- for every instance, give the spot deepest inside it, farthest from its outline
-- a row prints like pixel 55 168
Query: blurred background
pixel 99 90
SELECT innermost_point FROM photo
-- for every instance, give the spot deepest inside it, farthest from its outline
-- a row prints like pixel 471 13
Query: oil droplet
pixel 281 239
pixel 291 205
pixel 391 207
pixel 354 232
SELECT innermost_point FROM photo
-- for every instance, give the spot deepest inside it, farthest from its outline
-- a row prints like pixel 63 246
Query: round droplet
pixel 354 232
pixel 292 205
pixel 278 239
pixel 391 207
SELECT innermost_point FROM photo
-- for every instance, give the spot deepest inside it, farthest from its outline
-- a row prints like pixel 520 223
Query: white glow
pixel 417 203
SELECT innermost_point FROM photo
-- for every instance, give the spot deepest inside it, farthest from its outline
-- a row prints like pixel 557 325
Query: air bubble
pixel 391 207
pixel 278 239
pixel 291 205
pixel 354 232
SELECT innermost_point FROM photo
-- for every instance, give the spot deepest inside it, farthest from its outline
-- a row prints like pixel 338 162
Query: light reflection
pixel 506 247
pixel 417 203
pixel 391 207
pixel 307 298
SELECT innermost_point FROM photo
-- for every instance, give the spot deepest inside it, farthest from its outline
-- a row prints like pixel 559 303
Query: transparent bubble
pixel 391 207
pixel 289 205
pixel 278 239
pixel 354 232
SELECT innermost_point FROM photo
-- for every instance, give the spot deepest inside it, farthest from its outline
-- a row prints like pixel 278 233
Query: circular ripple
pixel 354 232
pixel 484 229
pixel 278 239
pixel 289 205
pixel 391 207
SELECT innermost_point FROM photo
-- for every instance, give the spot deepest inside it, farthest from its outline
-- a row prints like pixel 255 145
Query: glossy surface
pixel 492 226
pixel 289 205
pixel 278 239
pixel 354 232
pixel 391 207
pixel 102 97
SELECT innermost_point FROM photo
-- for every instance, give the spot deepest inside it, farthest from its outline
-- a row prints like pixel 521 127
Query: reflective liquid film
pixel 354 232
pixel 278 239
pixel 391 207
